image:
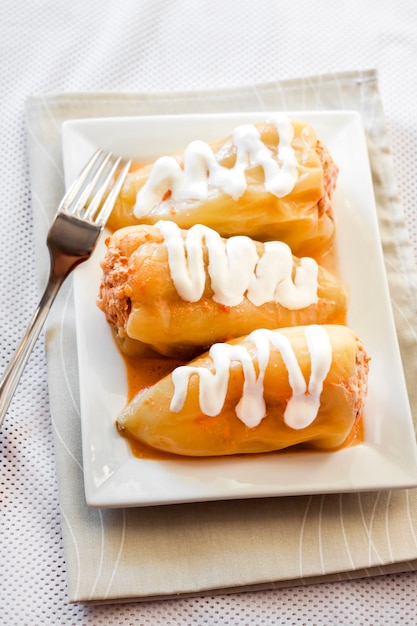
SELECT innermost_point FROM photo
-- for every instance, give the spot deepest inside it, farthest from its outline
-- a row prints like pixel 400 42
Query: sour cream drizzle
pixel 201 168
pixel 302 407
pixel 236 270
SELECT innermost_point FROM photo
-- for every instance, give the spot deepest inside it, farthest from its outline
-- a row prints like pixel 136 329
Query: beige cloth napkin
pixel 202 548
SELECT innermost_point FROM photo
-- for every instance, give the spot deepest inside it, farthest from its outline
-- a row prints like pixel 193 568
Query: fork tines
pixel 89 192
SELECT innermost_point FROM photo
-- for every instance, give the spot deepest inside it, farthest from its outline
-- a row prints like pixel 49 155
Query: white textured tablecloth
pixel 155 47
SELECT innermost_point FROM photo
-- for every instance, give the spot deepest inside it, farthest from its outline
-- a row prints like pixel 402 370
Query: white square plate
pixel 387 456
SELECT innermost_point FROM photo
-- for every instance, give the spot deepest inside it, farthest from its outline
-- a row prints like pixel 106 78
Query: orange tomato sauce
pixel 142 372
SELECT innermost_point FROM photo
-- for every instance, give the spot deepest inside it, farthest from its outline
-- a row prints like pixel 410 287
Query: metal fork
pixel 72 237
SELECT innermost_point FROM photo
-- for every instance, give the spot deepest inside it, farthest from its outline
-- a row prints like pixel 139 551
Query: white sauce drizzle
pixel 201 168
pixel 236 270
pixel 302 407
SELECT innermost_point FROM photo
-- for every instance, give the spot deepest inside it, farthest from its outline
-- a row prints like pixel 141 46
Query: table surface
pixel 153 46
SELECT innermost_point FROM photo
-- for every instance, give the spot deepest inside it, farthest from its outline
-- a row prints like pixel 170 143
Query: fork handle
pixel 14 370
